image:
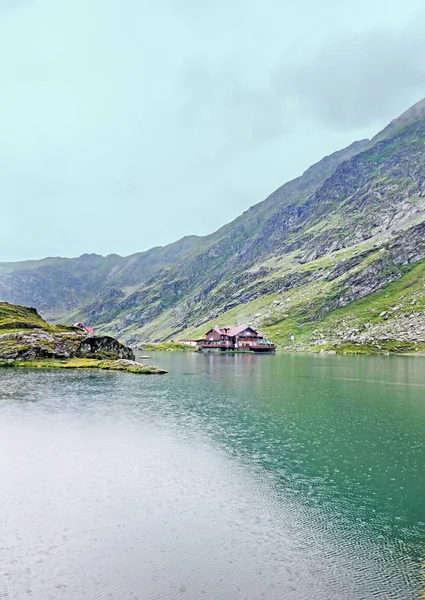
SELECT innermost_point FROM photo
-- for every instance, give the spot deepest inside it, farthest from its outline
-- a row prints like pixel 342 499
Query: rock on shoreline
pixel 36 343
pixel 26 340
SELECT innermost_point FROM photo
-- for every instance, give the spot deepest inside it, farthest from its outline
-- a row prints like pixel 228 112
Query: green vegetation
pixel 14 318
pixel 167 347
pixel 382 153
pixel 70 363
pixel 404 296
pixel 384 347
pixel 84 363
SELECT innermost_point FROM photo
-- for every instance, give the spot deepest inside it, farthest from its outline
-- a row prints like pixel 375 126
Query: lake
pixel 233 477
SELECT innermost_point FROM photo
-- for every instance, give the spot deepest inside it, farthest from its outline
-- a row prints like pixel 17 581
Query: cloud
pixel 145 121
pixel 239 111
pixel 354 82
pixel 11 3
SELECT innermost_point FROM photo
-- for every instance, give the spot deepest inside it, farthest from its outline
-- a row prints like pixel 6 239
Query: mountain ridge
pixel 21 282
pixel 344 210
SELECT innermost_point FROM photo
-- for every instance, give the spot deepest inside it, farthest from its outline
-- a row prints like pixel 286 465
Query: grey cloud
pixel 351 83
pixel 126 125
pixel 242 112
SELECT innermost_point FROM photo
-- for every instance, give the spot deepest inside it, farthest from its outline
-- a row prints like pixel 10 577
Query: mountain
pixel 58 285
pixel 331 260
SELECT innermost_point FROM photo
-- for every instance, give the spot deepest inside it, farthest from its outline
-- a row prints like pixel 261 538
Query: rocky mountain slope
pixel 330 260
pixel 57 285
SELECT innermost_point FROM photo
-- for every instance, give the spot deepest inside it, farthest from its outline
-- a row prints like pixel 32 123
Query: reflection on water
pixel 232 477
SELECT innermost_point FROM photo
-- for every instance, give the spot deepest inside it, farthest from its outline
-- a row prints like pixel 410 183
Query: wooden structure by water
pixel 235 339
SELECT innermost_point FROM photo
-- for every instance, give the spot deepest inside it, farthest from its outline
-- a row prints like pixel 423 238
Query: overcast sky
pixel 126 124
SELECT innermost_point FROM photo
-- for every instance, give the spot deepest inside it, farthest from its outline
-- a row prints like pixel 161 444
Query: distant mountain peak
pixel 417 111
pixel 414 112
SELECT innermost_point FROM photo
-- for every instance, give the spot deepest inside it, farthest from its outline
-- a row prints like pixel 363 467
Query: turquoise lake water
pixel 233 477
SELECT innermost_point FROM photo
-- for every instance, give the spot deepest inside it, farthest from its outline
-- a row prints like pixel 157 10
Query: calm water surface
pixel 233 477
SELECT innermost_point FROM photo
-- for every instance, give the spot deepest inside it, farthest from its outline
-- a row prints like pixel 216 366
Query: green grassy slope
pixel 14 318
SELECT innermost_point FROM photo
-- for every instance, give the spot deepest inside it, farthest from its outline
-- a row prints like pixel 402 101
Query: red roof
pixel 237 330
pixel 81 326
pixel 233 331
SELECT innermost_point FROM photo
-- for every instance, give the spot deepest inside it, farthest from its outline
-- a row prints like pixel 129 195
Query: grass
pixel 398 295
pixel 70 363
pixel 381 154
pixel 13 318
pixel 401 292
pixel 384 347
pixel 82 363
pixel 167 347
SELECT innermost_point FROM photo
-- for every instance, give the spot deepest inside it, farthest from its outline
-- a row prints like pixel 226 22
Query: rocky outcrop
pixel 35 344
pixel 409 327
pixel 26 336
pixel 104 347
pixel 131 366
pixel 395 333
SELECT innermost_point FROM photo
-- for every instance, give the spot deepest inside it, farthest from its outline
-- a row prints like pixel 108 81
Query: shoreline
pixel 122 365
pixel 362 351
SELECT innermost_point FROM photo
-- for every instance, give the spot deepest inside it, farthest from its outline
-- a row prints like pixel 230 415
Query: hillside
pixel 57 285
pixel 333 259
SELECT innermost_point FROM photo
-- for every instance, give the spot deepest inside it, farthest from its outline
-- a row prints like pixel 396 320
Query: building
pixel 193 343
pixel 89 330
pixel 236 339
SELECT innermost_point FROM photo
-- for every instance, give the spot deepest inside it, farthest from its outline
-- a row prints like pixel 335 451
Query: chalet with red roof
pixel 89 330
pixel 243 338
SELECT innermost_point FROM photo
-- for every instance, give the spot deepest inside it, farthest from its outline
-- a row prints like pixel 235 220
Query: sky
pixel 127 124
